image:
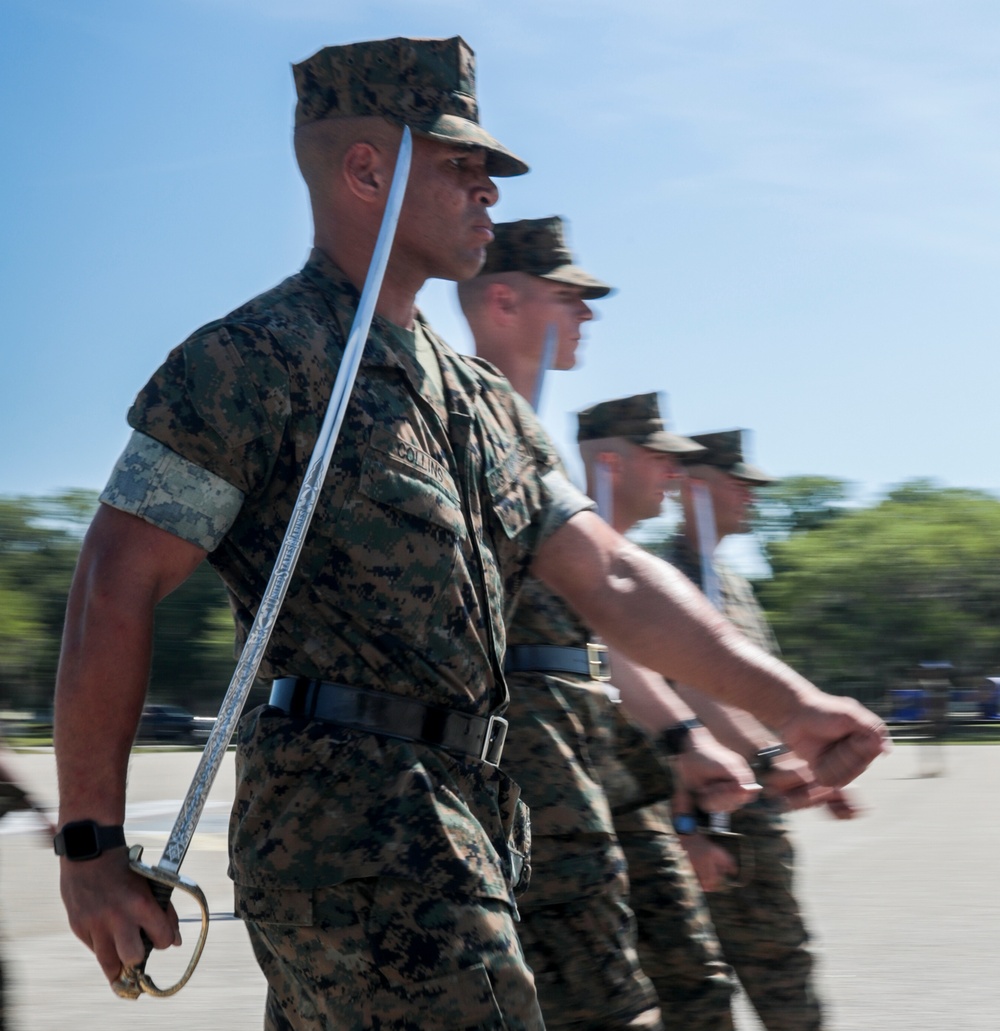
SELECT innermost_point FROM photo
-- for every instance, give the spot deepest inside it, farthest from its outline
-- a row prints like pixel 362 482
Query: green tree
pixel 798 503
pixel 40 540
pixel 193 657
pixel 39 543
pixel 873 592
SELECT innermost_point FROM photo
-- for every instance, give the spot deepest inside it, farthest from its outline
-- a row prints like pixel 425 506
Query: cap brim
pixel 673 443
pixel 573 275
pixel 500 162
pixel 750 473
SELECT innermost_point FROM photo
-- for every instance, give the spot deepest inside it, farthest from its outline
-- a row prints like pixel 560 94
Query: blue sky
pixel 798 203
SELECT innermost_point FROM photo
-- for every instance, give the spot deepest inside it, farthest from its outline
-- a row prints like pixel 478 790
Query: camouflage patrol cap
pixel 427 84
pixel 636 419
pixel 724 450
pixel 538 246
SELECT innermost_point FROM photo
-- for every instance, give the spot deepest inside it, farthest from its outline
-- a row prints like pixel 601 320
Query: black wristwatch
pixel 674 739
pixel 87 839
pixel 685 823
pixel 763 761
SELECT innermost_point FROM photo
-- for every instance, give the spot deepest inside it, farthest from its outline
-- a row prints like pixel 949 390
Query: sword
pixel 603 494
pixel 604 497
pixel 548 356
pixel 133 981
pixel 704 517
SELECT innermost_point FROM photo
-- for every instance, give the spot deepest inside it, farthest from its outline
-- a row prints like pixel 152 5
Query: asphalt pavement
pixel 903 903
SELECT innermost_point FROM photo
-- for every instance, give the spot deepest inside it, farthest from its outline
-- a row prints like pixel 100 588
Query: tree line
pixel 40 539
pixel 859 595
pixel 866 595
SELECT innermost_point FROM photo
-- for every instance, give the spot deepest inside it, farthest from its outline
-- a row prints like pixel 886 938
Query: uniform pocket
pixel 408 480
pixel 458 1002
pixel 507 479
pixel 274 906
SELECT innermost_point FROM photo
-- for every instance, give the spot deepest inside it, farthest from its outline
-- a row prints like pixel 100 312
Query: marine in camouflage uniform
pixel 374 854
pixel 676 943
pixel 759 922
pixel 14 797
pixel 577 929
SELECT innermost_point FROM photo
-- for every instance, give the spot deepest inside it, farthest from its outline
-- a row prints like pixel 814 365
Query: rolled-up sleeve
pixel 163 488
pixel 563 501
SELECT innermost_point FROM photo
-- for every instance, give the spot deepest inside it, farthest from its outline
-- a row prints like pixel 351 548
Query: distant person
pixel 934 679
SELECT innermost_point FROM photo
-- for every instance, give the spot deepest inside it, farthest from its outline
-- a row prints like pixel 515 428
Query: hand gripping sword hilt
pixel 133 981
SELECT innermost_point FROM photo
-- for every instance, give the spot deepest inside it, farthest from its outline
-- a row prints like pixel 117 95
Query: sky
pixel 798 203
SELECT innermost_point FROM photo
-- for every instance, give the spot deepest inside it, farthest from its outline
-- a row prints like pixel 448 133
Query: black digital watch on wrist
pixel 674 740
pixel 763 762
pixel 87 839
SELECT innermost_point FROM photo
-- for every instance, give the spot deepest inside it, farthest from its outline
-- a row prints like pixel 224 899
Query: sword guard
pixel 133 981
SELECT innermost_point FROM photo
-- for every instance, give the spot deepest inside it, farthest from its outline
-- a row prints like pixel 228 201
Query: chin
pixel 466 268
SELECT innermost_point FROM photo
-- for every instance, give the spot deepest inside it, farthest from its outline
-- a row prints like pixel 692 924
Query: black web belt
pixel 591 661
pixel 480 738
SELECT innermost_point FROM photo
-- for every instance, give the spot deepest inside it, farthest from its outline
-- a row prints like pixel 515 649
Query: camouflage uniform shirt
pixel 739 603
pixel 428 519
pixel 579 760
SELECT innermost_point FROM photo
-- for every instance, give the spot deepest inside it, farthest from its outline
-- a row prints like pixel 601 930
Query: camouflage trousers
pixel 581 947
pixel 761 929
pixel 677 945
pixel 383 954
pixel 576 927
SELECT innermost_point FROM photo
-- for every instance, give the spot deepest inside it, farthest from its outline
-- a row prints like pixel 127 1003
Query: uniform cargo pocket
pixel 458 1002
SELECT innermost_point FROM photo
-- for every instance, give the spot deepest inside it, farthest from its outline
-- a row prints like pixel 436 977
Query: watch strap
pixel 87 839
pixel 763 761
pixel 673 740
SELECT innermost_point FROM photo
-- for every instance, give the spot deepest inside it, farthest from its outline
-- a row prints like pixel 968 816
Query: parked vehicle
pixel 168 723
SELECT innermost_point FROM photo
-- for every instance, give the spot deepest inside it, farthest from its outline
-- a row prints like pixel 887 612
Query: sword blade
pixel 260 632
pixel 704 516
pixel 548 357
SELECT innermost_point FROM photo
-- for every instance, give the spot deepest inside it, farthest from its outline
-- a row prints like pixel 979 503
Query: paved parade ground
pixel 904 903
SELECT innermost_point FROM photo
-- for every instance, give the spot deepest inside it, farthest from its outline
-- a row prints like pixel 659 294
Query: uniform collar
pixel 329 279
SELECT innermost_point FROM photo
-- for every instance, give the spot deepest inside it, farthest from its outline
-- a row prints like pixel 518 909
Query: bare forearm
pixel 125 568
pixel 646 696
pixel 652 613
pixel 101 684
pixel 732 727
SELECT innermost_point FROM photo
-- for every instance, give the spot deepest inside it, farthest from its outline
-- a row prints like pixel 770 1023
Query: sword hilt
pixel 133 981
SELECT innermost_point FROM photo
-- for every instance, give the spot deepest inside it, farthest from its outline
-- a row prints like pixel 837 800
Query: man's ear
pixel 611 459
pixel 363 171
pixel 503 301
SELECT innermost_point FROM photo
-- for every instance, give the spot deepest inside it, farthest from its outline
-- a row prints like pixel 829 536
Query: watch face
pixel 685 823
pixel 80 840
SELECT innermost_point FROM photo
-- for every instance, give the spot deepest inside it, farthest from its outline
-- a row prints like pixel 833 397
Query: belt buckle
pixel 496 735
pixel 598 665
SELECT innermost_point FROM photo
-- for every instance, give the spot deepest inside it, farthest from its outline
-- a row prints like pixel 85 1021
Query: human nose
pixel 584 312
pixel 486 192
